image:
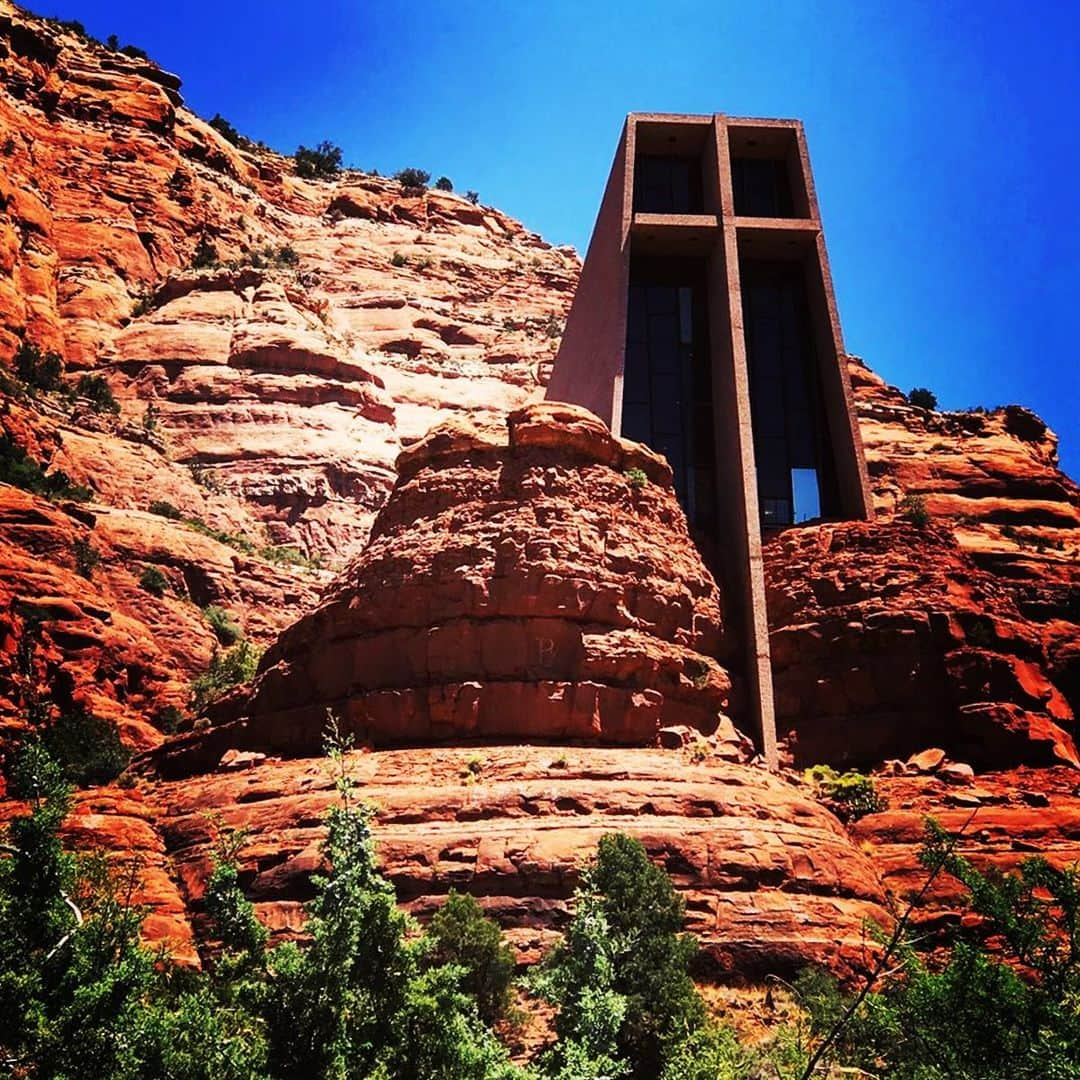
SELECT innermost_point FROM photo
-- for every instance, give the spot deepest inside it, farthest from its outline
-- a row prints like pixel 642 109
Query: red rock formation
pixel 281 396
pixel 520 584
pixel 887 638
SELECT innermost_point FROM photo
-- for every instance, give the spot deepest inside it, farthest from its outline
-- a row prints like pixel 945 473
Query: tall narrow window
pixel 785 396
pixel 667 380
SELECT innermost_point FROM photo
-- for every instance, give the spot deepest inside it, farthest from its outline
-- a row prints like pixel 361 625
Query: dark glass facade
pixel 667 383
pixel 667 185
pixel 794 475
pixel 762 188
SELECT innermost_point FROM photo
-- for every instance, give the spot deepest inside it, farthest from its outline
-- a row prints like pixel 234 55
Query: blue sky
pixel 943 137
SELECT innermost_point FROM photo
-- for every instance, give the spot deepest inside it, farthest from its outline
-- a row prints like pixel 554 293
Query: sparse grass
pixel 240 543
pixel 165 509
pixel 286 555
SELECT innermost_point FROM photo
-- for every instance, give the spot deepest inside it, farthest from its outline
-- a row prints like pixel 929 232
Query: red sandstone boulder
pixel 518 586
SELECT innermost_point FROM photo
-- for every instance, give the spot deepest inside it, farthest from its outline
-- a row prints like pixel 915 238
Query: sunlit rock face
pixel 528 580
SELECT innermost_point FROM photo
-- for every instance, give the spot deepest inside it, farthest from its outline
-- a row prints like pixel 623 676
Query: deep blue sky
pixel 944 138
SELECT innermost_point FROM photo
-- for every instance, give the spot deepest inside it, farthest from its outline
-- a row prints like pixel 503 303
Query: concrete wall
pixel 589 366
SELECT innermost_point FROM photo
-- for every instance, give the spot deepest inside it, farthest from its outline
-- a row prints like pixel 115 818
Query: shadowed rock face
pixel 887 638
pixel 530 581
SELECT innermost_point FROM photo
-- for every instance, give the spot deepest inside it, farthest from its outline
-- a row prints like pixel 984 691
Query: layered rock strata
pixel 887 638
pixel 532 580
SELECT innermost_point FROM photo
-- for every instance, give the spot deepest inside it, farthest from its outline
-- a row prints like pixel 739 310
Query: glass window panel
pixel 636 421
pixel 637 324
pixel 664 344
pixel 636 376
pixel 661 300
pixel 666 404
pixel 772 467
pixel 775 512
pixel 686 317
pixel 801 440
pixel 767 407
pixel 804 488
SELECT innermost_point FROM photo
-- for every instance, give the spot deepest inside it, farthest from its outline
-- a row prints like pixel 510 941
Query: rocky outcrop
pixel 771 879
pixel 887 638
pixel 531 580
pixel 993 478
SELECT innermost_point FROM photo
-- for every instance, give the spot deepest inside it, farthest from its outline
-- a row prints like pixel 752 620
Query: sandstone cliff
pixel 263 405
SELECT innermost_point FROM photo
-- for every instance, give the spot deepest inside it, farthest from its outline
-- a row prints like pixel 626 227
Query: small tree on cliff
pixel 621 978
pixel 321 163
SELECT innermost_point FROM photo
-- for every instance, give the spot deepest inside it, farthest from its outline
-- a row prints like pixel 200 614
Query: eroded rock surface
pixel 531 580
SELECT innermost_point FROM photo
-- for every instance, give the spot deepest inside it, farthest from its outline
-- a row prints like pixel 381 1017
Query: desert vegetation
pixel 371 995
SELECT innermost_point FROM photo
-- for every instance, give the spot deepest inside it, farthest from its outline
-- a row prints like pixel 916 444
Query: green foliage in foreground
pixel 1008 1014
pixel 372 998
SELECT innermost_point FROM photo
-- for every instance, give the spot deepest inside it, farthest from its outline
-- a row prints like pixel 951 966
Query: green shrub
pixel 398 260
pixel 462 935
pixel 165 509
pixel 205 256
pixel 87 748
pixel 412 179
pixel 850 795
pixel 135 52
pixel 226 631
pixel 153 581
pixel 322 163
pixel 22 471
pixel 473 196
pixel 923 398
pixel 286 256
pixel 1010 1014
pixel 287 555
pixel 444 184
pixel 226 670
pixel 637 478
pixel 38 370
pixel 97 389
pixel 87 557
pixel 168 719
pixel 621 977
pixel 206 478
pixel 913 508
pixel 225 129
pixel 150 418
